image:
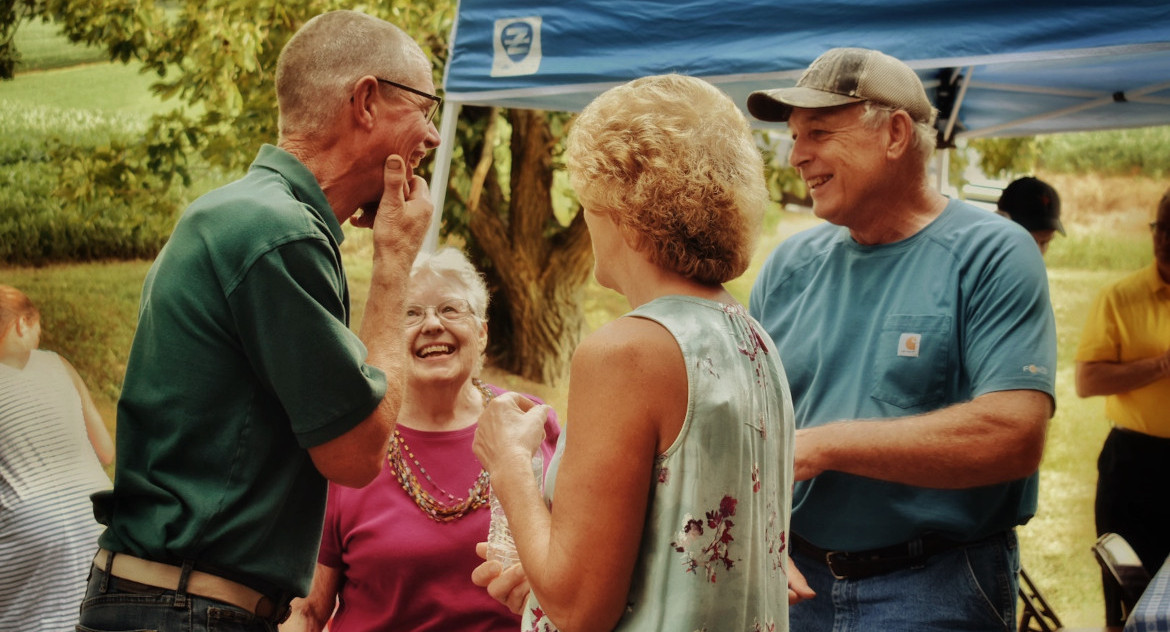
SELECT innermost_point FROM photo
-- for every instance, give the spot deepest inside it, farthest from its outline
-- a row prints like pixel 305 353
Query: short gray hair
pixel 451 264
pixel 925 136
pixel 322 61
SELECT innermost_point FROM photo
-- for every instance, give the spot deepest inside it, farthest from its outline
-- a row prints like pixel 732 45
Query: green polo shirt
pixel 242 359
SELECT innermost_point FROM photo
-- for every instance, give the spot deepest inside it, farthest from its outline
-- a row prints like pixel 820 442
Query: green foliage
pixel 40 47
pixel 1003 157
pixel 784 182
pixel 1127 152
pixel 218 59
pixel 1143 151
pixel 51 145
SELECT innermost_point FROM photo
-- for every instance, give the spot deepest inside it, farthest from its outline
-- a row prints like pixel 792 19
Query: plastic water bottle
pixel 501 546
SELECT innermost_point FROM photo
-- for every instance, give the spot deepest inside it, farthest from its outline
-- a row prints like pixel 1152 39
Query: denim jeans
pixel 116 605
pixel 970 588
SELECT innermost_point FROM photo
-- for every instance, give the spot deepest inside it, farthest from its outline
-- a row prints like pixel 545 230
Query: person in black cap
pixel 920 347
pixel 1035 205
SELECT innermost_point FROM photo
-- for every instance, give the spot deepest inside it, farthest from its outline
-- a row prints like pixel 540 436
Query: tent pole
pixel 942 165
pixel 441 172
pixel 954 114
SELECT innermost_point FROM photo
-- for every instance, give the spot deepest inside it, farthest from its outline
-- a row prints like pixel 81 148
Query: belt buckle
pixel 829 557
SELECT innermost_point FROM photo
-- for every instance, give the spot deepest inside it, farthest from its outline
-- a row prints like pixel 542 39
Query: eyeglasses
pixel 437 101
pixel 448 311
pixel 1160 227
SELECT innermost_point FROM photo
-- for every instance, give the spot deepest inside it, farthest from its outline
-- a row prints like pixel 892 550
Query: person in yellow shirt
pixel 1124 354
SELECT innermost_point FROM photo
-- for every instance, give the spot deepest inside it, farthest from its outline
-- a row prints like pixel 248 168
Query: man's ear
pixel 362 102
pixel 901 139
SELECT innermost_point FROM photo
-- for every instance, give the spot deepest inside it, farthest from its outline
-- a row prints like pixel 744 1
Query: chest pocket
pixel 910 367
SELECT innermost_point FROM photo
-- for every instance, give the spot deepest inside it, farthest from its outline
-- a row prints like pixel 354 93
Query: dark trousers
pixel 1133 499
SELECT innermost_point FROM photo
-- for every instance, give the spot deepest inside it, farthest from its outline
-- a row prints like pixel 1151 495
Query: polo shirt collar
pixel 305 187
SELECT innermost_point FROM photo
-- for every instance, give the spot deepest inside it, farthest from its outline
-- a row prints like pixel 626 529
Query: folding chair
pixel 1122 573
pixel 1036 615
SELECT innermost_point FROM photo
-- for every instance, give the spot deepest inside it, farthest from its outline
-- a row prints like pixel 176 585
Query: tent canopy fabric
pixel 992 67
pixel 1019 67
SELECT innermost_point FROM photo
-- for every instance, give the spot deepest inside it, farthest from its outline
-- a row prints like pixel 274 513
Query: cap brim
pixel 776 105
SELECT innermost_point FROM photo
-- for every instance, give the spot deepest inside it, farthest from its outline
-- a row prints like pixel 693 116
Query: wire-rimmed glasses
pixel 436 101
pixel 448 311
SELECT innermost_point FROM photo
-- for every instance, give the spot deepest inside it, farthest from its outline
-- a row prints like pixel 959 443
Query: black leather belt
pixel 862 564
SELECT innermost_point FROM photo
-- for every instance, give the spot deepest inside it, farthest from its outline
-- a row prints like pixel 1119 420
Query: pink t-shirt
pixel 400 569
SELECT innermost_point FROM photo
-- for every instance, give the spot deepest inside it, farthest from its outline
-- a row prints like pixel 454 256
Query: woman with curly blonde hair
pixel 672 484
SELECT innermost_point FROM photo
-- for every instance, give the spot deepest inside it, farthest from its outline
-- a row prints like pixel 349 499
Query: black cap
pixel 1033 204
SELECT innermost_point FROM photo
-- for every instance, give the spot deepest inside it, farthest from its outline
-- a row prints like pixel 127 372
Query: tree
pixel 217 60
pixel 535 265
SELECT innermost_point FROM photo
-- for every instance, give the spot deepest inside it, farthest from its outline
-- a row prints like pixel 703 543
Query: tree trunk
pixel 537 266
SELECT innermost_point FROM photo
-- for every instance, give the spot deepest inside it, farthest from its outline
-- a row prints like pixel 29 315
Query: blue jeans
pixel 970 588
pixel 116 605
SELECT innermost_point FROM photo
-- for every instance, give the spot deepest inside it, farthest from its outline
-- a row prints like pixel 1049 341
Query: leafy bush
pixel 42 47
pixel 1143 151
pixel 48 144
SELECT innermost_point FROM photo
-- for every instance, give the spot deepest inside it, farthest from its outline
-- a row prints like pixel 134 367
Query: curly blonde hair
pixel 673 162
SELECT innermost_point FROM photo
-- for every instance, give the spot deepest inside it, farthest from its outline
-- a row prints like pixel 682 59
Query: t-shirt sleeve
pixel 291 312
pixel 1010 330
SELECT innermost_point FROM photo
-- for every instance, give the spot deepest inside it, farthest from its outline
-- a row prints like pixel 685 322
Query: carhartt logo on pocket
pixel 908 345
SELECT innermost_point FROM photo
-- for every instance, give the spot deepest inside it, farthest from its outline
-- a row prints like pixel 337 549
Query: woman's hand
pixel 509 587
pixel 511 427
pixel 798 588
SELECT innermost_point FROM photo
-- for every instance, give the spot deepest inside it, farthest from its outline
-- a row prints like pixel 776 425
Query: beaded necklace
pixel 434 508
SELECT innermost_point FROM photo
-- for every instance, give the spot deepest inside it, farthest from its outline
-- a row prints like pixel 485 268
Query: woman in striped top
pixel 52 447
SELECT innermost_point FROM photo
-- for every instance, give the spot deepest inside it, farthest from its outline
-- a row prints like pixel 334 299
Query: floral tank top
pixel 714 551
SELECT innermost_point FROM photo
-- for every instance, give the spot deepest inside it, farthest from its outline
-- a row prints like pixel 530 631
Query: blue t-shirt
pixel 868 332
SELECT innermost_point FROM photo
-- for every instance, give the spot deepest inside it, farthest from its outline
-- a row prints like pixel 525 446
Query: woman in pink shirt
pixel 398 553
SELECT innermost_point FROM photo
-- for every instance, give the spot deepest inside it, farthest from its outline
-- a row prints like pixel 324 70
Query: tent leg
pixel 441 173
pixel 942 167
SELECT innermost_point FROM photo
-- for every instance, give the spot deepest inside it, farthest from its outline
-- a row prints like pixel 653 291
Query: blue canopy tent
pixel 992 67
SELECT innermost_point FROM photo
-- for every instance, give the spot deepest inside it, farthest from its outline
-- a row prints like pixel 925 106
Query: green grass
pixel 1144 151
pixel 105 88
pixel 42 47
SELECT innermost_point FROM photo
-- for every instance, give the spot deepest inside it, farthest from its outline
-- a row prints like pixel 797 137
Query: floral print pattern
pixel 714 545
pixel 717 489
pixel 776 539
pixel 539 622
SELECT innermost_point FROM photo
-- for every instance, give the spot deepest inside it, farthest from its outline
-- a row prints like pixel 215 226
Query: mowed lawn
pixel 89 316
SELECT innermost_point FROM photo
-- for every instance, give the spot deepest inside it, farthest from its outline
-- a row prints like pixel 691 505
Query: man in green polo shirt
pixel 245 390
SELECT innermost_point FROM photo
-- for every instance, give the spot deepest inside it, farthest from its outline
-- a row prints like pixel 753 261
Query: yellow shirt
pixel 1131 321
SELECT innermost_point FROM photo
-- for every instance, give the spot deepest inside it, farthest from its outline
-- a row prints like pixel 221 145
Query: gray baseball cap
pixel 847 75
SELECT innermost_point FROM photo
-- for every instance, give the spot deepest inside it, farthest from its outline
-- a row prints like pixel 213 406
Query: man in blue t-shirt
pixel 920 347
pixel 245 390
